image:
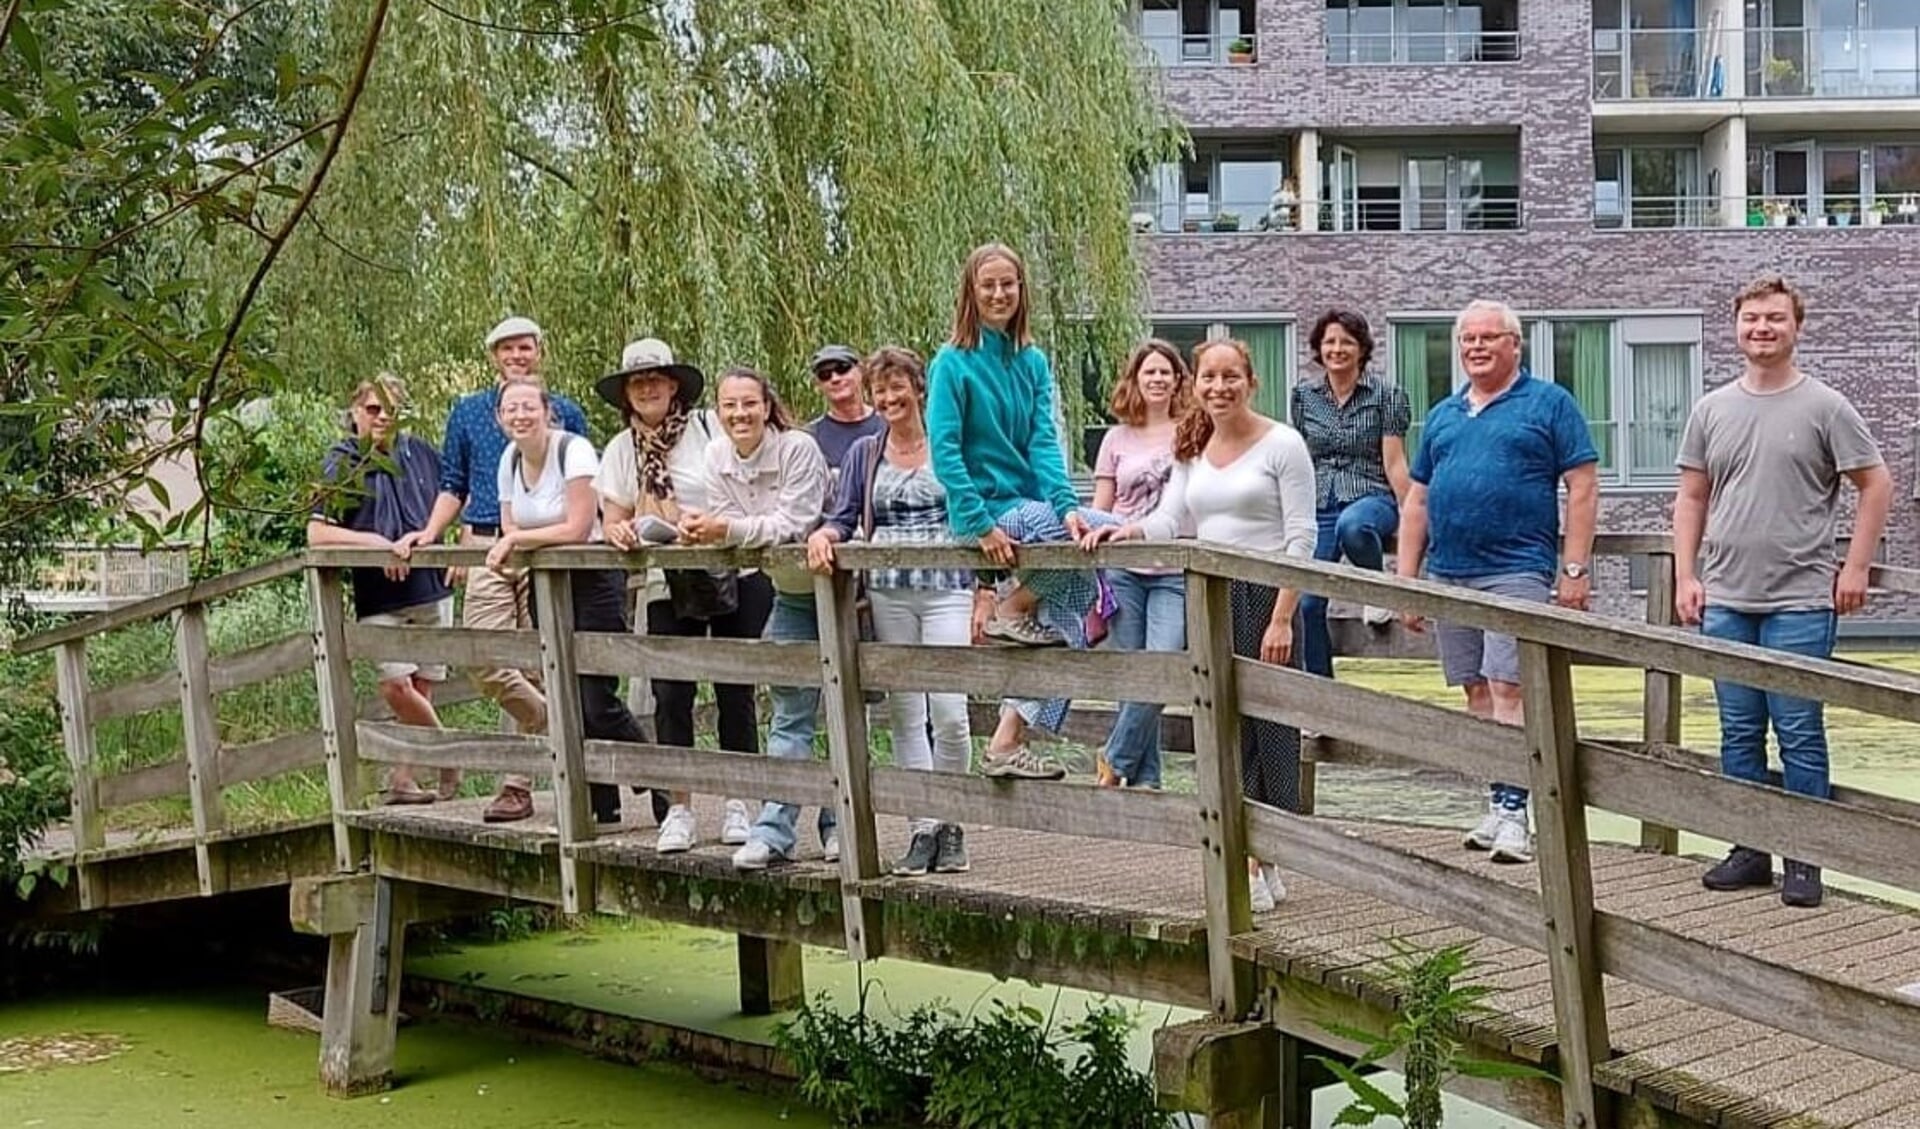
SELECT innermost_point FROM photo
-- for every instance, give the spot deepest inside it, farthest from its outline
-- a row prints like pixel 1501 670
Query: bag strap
pixel 873 477
pixel 566 437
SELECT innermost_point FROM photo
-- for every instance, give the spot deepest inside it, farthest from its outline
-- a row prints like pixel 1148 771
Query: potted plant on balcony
pixel 1909 208
pixel 1227 221
pixel 1779 213
pixel 1780 76
pixel 1842 213
pixel 1877 212
pixel 1240 51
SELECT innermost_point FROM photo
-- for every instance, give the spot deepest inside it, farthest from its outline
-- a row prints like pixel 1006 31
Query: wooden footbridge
pixel 1645 999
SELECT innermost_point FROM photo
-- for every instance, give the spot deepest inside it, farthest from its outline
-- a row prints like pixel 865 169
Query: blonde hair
pixel 966 309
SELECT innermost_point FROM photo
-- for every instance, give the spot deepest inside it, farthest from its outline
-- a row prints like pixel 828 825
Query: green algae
pixel 209 1061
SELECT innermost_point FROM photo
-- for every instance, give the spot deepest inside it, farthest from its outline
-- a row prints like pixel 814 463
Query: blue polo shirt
pixel 1493 479
pixel 470 456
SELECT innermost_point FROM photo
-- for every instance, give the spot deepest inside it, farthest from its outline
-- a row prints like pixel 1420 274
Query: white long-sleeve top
pixel 773 497
pixel 1262 501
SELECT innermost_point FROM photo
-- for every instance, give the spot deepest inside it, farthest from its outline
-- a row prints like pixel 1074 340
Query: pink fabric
pixel 1139 466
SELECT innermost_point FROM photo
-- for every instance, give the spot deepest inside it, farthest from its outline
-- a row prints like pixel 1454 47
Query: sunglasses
pixel 376 409
pixel 832 369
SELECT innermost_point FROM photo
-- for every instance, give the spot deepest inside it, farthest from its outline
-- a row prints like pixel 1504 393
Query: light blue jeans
pixel 796 712
pixel 1152 617
pixel 1799 724
pixel 1064 595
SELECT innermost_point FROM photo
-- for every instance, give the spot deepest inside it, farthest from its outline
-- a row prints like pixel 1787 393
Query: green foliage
pixel 1433 1009
pixel 1009 1069
pixel 33 773
pixel 271 450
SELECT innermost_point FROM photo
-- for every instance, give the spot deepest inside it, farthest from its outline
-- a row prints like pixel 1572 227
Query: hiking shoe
pixel 662 804
pixel 1276 889
pixel 830 846
pixel 510 806
pixel 1020 763
pixel 1481 838
pixel 1743 867
pixel 757 855
pixel 1375 616
pixel 1801 887
pixel 951 857
pixel 1259 897
pixel 922 849
pixel 1512 843
pixel 735 824
pixel 1026 631
pixel 676 831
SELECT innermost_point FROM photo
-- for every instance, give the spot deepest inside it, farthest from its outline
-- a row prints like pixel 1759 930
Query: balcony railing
pixel 1211 49
pixel 1643 212
pixel 1658 63
pixel 1791 210
pixel 1417 47
pixel 1220 216
pixel 1833 63
pixel 1419 215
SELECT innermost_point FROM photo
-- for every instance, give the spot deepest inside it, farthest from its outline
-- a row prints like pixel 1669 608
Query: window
pixel 1833 183
pixel 1422 31
pixel 1269 342
pixel 1466 191
pixel 1186 32
pixel 1226 187
pixel 1634 377
pixel 1648 186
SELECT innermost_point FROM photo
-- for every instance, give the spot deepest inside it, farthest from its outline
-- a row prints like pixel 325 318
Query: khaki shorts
pixel 420 615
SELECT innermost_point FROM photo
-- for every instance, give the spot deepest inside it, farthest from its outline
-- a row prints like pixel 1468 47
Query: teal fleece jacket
pixel 990 428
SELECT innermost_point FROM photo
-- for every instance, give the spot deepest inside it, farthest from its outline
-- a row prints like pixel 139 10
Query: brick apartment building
pixel 1614 169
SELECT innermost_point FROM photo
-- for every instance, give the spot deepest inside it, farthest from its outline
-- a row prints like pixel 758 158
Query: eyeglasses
pixel 832 369
pixel 1471 340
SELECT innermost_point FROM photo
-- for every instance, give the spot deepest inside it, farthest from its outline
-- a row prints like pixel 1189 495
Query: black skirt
pixel 1269 751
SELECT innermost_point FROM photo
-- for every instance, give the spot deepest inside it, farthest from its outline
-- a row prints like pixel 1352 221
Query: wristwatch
pixel 1574 570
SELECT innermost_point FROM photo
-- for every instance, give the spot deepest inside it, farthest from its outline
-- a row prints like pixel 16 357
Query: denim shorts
pixel 1469 655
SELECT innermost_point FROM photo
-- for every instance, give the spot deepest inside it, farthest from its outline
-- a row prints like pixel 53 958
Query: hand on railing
pixel 998 547
pixel 1573 593
pixel 621 535
pixel 820 552
pixel 1094 538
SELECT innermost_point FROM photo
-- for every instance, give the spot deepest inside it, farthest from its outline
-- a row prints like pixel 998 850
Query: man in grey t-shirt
pixel 1753 539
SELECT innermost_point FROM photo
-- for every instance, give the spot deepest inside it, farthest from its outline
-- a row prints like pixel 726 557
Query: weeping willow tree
pixel 747 180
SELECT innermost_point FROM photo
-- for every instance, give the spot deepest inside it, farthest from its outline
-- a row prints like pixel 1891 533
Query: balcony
pixel 1615 212
pixel 1190 33
pixel 1811 210
pixel 1235 185
pixel 1658 64
pixel 1845 62
pixel 1833 182
pixel 1468 184
pixel 1387 32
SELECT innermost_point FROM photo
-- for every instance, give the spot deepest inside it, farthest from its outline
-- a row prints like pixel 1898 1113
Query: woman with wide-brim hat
pixel 655 468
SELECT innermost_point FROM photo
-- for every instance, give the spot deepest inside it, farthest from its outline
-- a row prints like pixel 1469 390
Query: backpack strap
pixel 566 437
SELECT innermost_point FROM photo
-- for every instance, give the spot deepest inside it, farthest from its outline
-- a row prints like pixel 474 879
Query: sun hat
pixel 511 328
pixel 831 354
pixel 649 354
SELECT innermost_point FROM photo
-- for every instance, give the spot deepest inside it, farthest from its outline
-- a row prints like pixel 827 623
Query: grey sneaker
pixel 1743 867
pixel 1481 838
pixel 1512 843
pixel 951 858
pixel 1802 888
pixel 1020 763
pixel 1027 632
pixel 922 849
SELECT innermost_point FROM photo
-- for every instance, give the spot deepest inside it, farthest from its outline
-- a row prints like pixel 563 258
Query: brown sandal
pixel 510 806
pixel 399 797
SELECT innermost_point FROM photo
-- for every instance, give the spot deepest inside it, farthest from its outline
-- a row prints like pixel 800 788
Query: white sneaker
pixel 756 855
pixel 1257 892
pixel 676 831
pixel 1275 887
pixel 830 850
pixel 1374 616
pixel 1512 843
pixel 1481 838
pixel 735 824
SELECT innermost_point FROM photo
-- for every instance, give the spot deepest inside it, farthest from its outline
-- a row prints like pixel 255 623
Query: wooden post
pixel 76 730
pixel 1661 702
pixel 847 747
pixel 333 673
pixel 201 729
pixel 772 975
pixel 572 803
pixel 1566 879
pixel 1300 1076
pixel 1223 817
pixel 365 919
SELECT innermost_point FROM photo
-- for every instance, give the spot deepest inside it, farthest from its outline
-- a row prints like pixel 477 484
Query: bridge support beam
pixel 772 975
pixel 1230 1072
pixel 365 920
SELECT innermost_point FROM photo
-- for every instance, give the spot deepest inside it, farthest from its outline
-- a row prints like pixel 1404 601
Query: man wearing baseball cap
pixel 469 494
pixel 836 372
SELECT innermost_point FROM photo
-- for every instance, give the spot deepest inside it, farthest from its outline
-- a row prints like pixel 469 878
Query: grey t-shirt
pixel 1774 463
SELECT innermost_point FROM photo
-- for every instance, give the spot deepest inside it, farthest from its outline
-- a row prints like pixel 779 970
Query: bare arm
pixel 1876 498
pixel 1393 455
pixel 1583 514
pixel 321 534
pixel 1103 492
pixel 1689 526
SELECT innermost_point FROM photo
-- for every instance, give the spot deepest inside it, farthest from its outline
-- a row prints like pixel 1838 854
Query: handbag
pixel 703 593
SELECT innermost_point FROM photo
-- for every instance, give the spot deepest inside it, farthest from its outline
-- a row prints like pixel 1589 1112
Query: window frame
pixel 1461 46
pixel 1219 327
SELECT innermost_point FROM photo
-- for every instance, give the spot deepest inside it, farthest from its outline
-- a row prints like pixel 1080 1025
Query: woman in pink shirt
pixel 1136 458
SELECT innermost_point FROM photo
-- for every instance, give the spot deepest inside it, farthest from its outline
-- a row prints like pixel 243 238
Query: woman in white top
pixel 1243 480
pixel 656 468
pixel 767 485
pixel 546 498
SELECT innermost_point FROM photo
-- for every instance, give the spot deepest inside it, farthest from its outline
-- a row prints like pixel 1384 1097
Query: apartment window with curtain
pixel 1266 342
pixel 1635 378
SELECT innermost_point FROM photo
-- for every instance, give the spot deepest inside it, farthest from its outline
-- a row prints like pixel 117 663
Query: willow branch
pixel 6 20
pixel 566 32
pixel 553 171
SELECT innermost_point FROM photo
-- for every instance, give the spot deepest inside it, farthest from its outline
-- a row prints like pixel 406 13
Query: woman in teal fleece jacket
pixel 996 449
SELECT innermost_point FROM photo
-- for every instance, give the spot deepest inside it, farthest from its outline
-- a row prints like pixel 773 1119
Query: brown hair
pixel 1356 327
pixel 1767 287
pixel 533 382
pixel 387 386
pixel 966 309
pixel 1196 427
pixel 777 417
pixel 1129 406
pixel 889 361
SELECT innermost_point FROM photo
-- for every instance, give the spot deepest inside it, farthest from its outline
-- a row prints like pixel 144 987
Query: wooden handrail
pixel 153 607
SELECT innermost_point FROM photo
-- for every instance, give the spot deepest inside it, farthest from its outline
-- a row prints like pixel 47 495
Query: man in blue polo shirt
pixel 469 493
pixel 1484 513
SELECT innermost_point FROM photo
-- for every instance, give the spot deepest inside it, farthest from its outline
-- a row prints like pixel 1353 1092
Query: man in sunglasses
pixel 836 372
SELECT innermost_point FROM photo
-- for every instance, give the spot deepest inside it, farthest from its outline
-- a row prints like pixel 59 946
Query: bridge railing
pixel 1858 833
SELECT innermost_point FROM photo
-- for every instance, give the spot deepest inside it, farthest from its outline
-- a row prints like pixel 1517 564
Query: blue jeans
pixel 1064 595
pixel 1152 617
pixel 1799 724
pixel 1357 530
pixel 796 711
